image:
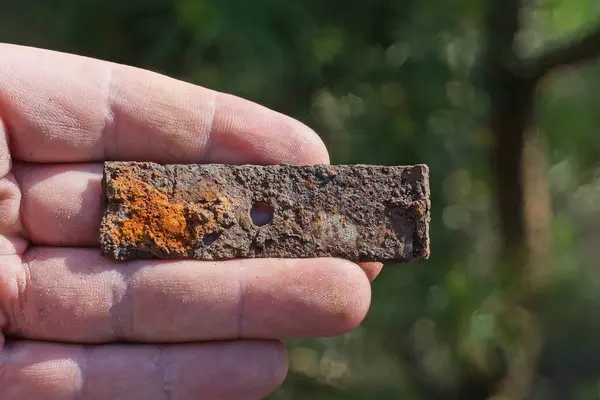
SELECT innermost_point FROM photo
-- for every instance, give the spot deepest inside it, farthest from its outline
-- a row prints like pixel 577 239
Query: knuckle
pixel 10 201
pixel 13 283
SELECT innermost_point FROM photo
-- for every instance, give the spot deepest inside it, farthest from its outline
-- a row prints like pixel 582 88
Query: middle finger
pixel 60 205
pixel 76 295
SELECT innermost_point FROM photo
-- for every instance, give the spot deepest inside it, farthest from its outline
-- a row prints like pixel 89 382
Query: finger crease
pixel 22 221
pixel 108 130
pixel 84 366
pixel 209 129
pixel 120 310
pixel 163 365
pixel 6 132
pixel 241 316
pixel 18 304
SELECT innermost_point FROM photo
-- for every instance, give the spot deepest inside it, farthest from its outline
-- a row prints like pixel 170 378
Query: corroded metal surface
pixel 209 212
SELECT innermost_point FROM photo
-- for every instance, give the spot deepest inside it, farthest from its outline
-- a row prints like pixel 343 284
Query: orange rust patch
pixel 331 170
pixel 421 208
pixel 151 216
pixel 169 226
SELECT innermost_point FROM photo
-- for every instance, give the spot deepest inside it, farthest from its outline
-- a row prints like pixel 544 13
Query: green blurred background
pixel 508 306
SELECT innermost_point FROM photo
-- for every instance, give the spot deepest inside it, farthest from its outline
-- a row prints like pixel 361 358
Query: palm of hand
pixel 76 325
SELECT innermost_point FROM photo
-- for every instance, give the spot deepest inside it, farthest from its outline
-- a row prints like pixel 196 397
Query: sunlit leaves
pixel 549 20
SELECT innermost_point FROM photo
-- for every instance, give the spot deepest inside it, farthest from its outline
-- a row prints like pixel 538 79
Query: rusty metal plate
pixel 214 212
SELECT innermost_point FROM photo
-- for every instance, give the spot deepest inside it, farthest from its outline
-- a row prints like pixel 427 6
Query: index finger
pixel 60 107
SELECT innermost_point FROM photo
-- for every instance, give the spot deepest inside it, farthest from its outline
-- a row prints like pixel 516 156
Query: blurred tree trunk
pixel 520 170
pixel 538 213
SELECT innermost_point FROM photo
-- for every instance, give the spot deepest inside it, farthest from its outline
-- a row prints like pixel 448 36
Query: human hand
pixel 75 325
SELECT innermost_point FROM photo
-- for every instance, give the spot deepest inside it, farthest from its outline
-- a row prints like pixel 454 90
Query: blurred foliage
pixel 395 82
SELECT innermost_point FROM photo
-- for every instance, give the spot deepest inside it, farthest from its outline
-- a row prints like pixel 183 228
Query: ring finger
pixel 229 370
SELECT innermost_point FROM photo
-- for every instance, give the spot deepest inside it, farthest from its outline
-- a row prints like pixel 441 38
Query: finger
pixel 372 269
pixel 228 370
pixel 65 108
pixel 60 204
pixel 71 216
pixel 76 295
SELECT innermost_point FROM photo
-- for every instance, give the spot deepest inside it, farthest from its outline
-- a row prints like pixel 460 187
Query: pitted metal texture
pixel 216 212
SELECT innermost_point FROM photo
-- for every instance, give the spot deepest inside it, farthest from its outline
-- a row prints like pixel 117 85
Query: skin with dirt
pixel 216 212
